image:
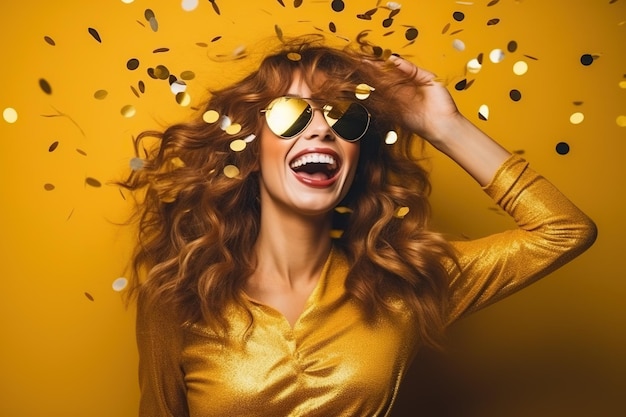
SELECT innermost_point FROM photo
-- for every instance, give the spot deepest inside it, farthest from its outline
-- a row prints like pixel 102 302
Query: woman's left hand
pixel 430 109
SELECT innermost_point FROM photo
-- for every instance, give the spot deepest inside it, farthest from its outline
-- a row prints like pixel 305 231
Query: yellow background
pixel 67 347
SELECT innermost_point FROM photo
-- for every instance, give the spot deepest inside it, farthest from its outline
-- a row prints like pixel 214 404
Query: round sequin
pixel 337 5
pixel 474 66
pixel 401 212
pixel 231 171
pixel 496 56
pixel 251 137
pixel 483 112
pixel 189 5
pixel 458 16
pixel 132 64
pixel 576 118
pixel 294 56
pixel 184 99
pixel 10 115
pixel 233 129
pixel 458 44
pixel 363 91
pixel 586 59
pixel 210 116
pixel 136 164
pixel 621 121
pixel 100 94
pixel 119 284
pixel 515 95
pixel 128 111
pixel 562 148
pixel 391 137
pixel 520 68
pixel 238 145
pixel 178 86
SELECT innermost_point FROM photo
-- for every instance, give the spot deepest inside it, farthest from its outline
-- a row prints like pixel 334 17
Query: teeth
pixel 314 158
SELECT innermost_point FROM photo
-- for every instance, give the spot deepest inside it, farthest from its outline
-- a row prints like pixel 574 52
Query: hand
pixel 430 109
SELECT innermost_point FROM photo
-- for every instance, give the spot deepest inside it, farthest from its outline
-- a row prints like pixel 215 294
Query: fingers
pixel 421 75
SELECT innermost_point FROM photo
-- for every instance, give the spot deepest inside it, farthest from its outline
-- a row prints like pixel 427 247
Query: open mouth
pixel 315 166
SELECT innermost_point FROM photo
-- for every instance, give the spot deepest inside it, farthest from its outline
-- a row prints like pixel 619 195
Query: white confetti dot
pixel 520 68
pixel 10 115
pixel 483 112
pixel 496 56
pixel 189 5
pixel 225 122
pixel 136 164
pixel 577 118
pixel 249 138
pixel 119 284
pixel 392 5
pixel 127 1
pixel 178 86
pixel 391 137
pixel 458 44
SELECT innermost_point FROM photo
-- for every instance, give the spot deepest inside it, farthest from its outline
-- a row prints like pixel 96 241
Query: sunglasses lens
pixel 348 119
pixel 288 116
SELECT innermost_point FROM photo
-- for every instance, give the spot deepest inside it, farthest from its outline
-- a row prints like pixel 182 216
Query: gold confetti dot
pixel 621 121
pixel 622 84
pixel 100 94
pixel 294 56
pixel 336 233
pixel 520 68
pixel 93 182
pixel 238 145
pixel 231 171
pixel 576 118
pixel 48 187
pixel 128 111
pixel 401 212
pixel 391 137
pixel 343 209
pixel 187 75
pixel 483 112
pixel 183 98
pixel 474 66
pixel 233 129
pixel 210 116
pixel 363 91
pixel 10 115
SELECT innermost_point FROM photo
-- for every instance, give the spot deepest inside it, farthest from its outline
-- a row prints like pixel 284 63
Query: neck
pixel 291 248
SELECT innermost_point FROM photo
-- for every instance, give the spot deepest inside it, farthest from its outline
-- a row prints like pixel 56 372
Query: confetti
pixel 337 5
pixel 119 284
pixel 586 59
pixel 53 146
pixel 343 210
pixel 49 40
pixel 183 98
pixel 458 44
pixel 45 86
pixel 210 116
pixel 93 182
pixel 460 86
pixel 216 8
pixel 251 137
pixel 493 22
pixel 178 87
pixel 621 121
pixel 492 3
pixel 458 16
pixel 189 5
pixel 132 64
pixel 363 91
pixel 48 187
pixel 95 34
pixel 128 111
pixel 233 129
pixel 483 112
pixel 515 95
pixel 391 137
pixel 100 94
pixel 576 118
pixel 511 46
pixel 10 115
pixel 187 75
pixel 231 171
pixel 496 56
pixel 562 148
pixel 136 164
pixel 411 34
pixel 294 56
pixel 520 68
pixel 89 296
pixel 238 145
pixel 474 66
pixel 401 212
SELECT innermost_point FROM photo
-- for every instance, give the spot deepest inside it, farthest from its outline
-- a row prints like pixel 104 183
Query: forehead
pixel 311 86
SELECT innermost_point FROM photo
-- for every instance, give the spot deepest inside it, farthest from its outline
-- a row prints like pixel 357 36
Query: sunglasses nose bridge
pixel 318 125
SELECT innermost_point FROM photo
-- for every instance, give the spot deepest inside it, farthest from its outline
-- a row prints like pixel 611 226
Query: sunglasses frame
pixel 323 110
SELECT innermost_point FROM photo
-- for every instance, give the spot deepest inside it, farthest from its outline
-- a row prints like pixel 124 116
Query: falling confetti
pixel 48 187
pixel 93 182
pixel 474 66
pixel 189 5
pixel 493 22
pixel 411 34
pixel 337 5
pixel 391 137
pixel 210 116
pixel 100 94
pixel 89 296
pixel 363 91
pixel 458 44
pixel 515 95
pixel 215 7
pixel 119 284
pixel 520 68
pixel 95 34
pixel 53 146
pixel 621 121
pixel 233 129
pixel 183 98
pixel 577 118
pixel 10 115
pixel 128 111
pixel 483 112
pixel 562 148
pixel 238 145
pixel 496 56
pixel 511 46
pixel 49 40
pixel 45 86
pixel 401 212
pixel 460 86
pixel 231 171
pixel 458 16
pixel 132 64
pixel 586 59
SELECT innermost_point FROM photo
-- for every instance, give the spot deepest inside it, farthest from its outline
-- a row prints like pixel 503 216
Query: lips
pixel 317 167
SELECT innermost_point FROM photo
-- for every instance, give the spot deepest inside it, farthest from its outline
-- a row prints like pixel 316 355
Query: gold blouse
pixel 333 363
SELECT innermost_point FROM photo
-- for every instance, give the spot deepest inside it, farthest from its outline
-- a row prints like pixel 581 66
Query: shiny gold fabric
pixel 331 363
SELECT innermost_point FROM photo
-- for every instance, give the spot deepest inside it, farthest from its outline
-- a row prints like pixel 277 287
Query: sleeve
pixel 551 231
pixel 161 378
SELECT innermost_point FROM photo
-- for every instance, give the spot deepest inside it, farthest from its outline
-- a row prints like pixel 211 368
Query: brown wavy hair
pixel 197 226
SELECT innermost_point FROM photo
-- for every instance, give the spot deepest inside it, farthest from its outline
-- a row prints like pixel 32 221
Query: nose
pixel 319 127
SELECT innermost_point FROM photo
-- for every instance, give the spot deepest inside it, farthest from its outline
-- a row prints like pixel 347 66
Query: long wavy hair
pixel 198 226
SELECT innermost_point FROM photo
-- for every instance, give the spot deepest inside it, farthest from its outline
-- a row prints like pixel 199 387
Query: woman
pixel 262 297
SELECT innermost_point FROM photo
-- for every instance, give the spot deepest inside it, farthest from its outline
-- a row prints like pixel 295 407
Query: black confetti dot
pixel 387 22
pixel 411 34
pixel 338 5
pixel 53 146
pixel 159 50
pixel 48 187
pixel 93 182
pixel 586 59
pixel 142 87
pixel 49 40
pixel 492 22
pixel 45 86
pixel 515 95
pixel 458 16
pixel 132 64
pixel 512 46
pixel 492 3
pixel 460 86
pixel 332 27
pixel 297 3
pixel 95 34
pixel 562 148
